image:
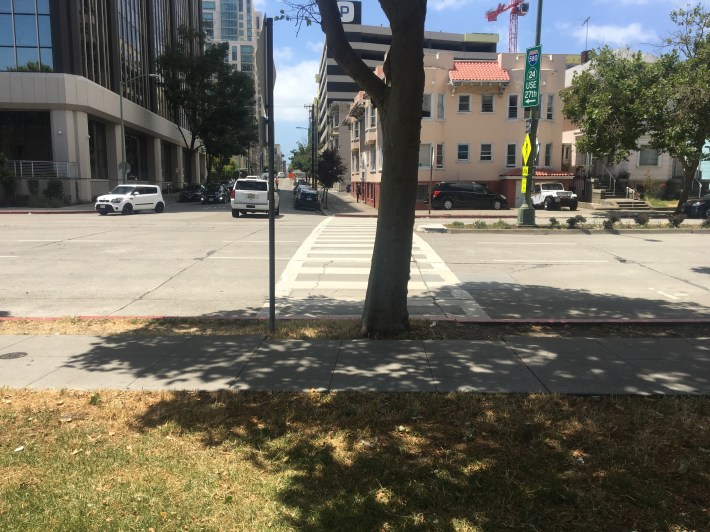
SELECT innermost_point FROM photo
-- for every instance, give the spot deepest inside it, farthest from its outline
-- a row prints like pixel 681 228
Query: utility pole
pixel 312 140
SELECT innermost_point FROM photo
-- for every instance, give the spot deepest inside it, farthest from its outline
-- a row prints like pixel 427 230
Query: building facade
pixel 473 126
pixel 69 70
pixel 336 89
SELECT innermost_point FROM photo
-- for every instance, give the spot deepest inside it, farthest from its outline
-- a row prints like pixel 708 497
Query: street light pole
pixel 123 165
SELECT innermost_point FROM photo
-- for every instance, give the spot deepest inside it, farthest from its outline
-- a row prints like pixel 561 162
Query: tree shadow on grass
pixel 361 461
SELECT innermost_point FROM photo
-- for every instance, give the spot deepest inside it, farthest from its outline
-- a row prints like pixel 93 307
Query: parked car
pixel 127 199
pixel 299 187
pixel 251 195
pixel 698 207
pixel 465 195
pixel 306 198
pixel 214 193
pixel 191 193
pixel 553 196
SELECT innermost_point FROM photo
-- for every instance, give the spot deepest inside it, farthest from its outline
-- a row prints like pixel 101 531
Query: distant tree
pixel 217 102
pixel 330 170
pixel 301 158
pixel 621 97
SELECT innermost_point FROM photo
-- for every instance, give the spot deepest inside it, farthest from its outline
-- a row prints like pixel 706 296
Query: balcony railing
pixel 42 169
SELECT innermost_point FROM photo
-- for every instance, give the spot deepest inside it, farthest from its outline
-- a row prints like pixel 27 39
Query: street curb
pixel 425 317
pixel 48 212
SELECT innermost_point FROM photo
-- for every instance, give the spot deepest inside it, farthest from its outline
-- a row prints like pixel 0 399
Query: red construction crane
pixel 518 8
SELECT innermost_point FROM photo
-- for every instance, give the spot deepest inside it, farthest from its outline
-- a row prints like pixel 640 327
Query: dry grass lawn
pixel 351 461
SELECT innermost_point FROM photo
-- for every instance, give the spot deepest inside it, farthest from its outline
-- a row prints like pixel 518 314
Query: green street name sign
pixel 531 81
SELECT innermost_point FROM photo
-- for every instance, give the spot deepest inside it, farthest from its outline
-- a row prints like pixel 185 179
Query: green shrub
pixel 501 224
pixel 457 225
pixel 611 220
pixel 705 224
pixel 55 189
pixel 573 222
pixel 44 202
pixel 554 222
pixel 642 219
pixel 674 220
pixel 480 224
pixel 33 187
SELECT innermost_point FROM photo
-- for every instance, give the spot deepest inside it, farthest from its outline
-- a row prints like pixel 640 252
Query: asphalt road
pixel 196 260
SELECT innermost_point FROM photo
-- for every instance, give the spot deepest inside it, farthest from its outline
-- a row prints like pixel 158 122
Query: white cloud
pixel 315 46
pixel 613 35
pixel 283 54
pixel 440 5
pixel 295 87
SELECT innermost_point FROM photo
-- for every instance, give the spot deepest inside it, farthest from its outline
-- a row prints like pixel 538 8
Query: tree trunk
pixel 688 176
pixel 399 102
pixel 385 311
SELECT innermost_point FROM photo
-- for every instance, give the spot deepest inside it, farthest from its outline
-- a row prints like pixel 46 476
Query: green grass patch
pixel 351 461
pixel 660 203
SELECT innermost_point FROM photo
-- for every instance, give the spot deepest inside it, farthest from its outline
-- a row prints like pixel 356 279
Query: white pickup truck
pixel 251 194
pixel 553 196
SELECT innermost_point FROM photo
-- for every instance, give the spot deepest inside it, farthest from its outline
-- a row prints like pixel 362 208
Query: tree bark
pixel 399 103
pixel 688 176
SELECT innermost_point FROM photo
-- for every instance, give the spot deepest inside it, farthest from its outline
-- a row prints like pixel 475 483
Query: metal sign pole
pixel 269 28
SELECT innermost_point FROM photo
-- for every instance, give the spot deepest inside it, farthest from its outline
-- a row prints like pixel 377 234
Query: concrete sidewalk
pixel 518 364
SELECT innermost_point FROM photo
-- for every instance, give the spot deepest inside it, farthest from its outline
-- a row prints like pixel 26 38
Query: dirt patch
pixel 344 329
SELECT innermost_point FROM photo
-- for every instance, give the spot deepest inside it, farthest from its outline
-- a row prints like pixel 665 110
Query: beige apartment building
pixel 473 126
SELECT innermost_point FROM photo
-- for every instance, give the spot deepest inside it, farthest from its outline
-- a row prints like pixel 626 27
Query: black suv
pixel 306 198
pixel 461 195
pixel 191 193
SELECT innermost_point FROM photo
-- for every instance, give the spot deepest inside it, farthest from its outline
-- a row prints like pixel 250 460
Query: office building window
pixel 25 35
pixel 511 152
pixel 464 103
pixel 486 152
pixel 462 152
pixel 97 150
pixel 487 103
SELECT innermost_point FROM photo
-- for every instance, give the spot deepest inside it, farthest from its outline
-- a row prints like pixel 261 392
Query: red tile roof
pixel 478 71
pixel 539 172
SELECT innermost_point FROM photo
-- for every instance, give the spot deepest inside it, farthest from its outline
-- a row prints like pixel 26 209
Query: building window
pixel 550 106
pixel 208 5
pixel 426 106
pixel 425 155
pixel 548 155
pixel 648 156
pixel 486 152
pixel 462 152
pixel 439 155
pixel 510 155
pixel 566 154
pixel 97 150
pixel 373 117
pixel 440 111
pixel 464 103
pixel 527 112
pixel 356 130
pixel 487 103
pixel 512 107
pixel 25 35
pixel 373 159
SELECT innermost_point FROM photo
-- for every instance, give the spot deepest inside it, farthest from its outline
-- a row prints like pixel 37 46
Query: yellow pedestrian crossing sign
pixel 527 148
pixel 526 171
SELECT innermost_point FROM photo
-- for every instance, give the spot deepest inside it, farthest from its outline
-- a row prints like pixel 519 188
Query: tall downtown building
pixel 63 67
pixel 239 25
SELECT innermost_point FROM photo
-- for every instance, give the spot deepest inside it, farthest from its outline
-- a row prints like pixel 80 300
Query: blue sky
pixel 638 24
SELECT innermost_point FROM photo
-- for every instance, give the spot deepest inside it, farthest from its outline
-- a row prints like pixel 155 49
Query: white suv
pixel 252 195
pixel 127 199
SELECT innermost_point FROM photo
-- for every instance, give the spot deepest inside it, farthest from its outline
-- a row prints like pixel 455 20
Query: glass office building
pixel 65 68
